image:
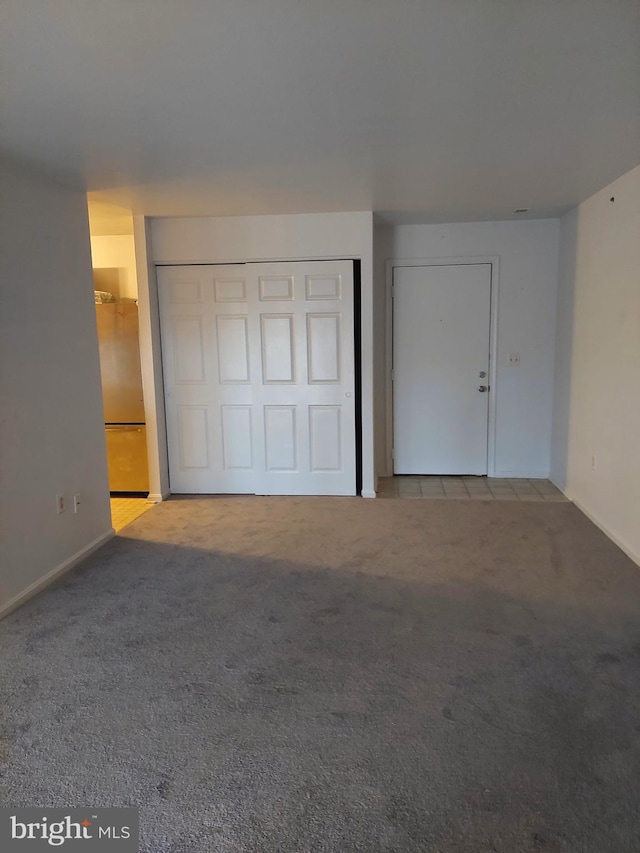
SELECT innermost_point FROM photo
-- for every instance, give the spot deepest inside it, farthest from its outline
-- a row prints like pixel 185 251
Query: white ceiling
pixel 423 110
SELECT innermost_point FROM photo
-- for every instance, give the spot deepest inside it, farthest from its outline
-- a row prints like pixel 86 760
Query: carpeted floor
pixel 336 674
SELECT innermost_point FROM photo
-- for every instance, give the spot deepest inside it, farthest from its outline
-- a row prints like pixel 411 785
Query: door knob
pixel 483 388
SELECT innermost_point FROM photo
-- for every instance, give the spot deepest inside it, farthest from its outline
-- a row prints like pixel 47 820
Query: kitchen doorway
pixel 116 295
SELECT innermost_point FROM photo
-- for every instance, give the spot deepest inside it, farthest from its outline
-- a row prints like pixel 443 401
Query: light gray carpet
pixel 318 674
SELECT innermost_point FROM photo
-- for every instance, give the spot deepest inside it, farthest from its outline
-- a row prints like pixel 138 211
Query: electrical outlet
pixel 59 504
pixel 514 359
pixel 76 504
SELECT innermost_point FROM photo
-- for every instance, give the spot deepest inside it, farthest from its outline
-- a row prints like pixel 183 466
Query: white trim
pixel 366 493
pixel 259 260
pixel 627 549
pixel 494 261
pixel 158 497
pixel 54 574
pixel 521 475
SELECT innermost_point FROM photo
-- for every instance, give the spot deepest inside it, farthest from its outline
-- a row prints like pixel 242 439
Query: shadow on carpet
pixel 253 704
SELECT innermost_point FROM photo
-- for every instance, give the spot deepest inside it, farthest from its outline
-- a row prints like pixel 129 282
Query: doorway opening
pixel 116 305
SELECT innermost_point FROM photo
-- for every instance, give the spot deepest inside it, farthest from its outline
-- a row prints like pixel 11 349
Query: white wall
pixel 528 262
pixel 51 419
pixel 290 237
pixel 115 254
pixel 151 362
pixel 597 399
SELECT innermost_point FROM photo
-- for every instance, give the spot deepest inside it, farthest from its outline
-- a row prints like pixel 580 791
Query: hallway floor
pixel 469 488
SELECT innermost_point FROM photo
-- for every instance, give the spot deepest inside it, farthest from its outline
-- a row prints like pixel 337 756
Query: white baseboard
pixel 521 475
pixel 368 493
pixel 54 574
pixel 158 497
pixel 633 555
pixel 503 475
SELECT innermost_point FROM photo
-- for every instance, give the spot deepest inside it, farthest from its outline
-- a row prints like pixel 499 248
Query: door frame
pixel 237 239
pixel 393 263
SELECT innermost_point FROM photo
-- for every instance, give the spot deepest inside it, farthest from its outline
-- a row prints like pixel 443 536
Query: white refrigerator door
pixel 120 362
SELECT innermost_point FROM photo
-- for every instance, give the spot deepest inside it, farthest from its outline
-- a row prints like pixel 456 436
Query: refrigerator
pixel 125 428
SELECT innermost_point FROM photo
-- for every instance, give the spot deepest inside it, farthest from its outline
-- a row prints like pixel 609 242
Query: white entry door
pixel 441 335
pixel 259 377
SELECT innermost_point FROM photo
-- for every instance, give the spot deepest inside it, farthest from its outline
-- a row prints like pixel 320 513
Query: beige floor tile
pixel 409 488
pixel 544 487
pixel 435 487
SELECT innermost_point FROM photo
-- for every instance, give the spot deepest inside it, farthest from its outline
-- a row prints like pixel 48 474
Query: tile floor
pixel 468 488
pixel 126 510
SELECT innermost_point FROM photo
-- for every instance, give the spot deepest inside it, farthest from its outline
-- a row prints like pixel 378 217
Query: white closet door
pixel 304 378
pixel 207 378
pixel 259 377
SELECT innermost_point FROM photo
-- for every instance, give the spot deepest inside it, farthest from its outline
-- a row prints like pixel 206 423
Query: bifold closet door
pixel 259 377
pixel 204 324
pixel 303 378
